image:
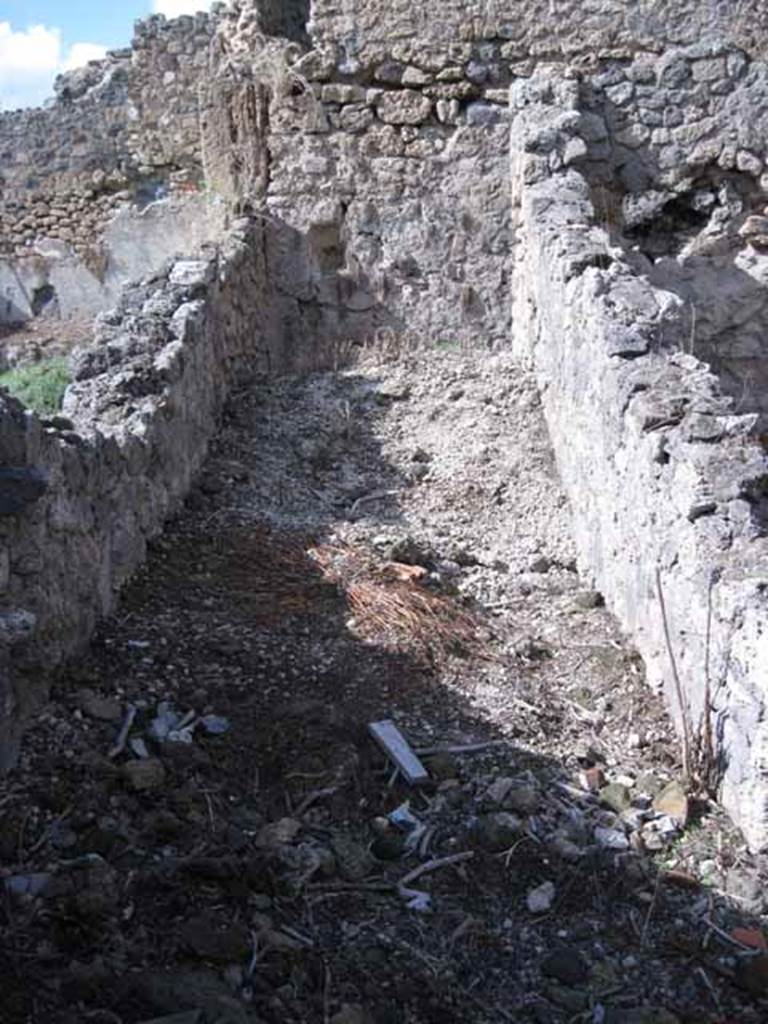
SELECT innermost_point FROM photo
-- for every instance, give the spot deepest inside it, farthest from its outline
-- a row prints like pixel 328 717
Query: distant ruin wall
pixel 133 243
pixel 122 130
pixel 409 114
pixel 79 500
pixel 665 461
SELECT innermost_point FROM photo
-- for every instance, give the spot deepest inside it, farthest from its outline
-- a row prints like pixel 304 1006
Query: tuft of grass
pixel 40 386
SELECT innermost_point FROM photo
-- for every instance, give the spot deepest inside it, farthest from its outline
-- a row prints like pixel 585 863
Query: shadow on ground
pixel 248 876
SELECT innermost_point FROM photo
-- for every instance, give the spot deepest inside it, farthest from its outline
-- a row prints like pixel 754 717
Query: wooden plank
pixel 399 751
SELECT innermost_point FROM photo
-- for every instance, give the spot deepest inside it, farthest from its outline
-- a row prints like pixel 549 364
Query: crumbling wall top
pixel 537 27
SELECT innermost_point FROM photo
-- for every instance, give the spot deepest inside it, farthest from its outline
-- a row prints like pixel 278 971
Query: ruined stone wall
pixel 685 185
pixel 387 142
pixel 122 130
pixel 379 167
pixel 376 165
pixel 363 30
pixel 666 468
pixel 402 192
pixel 63 169
pixel 83 493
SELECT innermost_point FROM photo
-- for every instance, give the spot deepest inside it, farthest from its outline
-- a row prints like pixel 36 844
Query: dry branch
pixel 676 677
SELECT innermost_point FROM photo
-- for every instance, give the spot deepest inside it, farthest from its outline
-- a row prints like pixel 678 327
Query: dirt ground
pixel 386 542
pixel 41 339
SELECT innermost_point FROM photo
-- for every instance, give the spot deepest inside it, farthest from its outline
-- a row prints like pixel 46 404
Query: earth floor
pixel 385 542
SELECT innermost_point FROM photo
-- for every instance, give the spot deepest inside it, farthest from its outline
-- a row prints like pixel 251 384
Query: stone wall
pixel 407 114
pixel 685 185
pixel 379 167
pixel 370 144
pixel 385 185
pixel 387 141
pixel 53 282
pixel 120 132
pixel 83 493
pixel 666 467
pixel 365 30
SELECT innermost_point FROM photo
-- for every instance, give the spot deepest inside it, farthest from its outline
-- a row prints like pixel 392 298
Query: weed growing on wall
pixel 41 386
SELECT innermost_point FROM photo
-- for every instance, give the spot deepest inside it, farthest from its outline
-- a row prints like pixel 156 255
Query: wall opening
pixel 708 245
pixel 44 301
pixel 287 18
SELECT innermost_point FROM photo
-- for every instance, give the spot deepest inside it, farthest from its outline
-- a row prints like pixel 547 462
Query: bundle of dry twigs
pixel 390 602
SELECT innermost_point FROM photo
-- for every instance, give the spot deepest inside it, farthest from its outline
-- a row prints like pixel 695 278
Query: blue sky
pixel 40 38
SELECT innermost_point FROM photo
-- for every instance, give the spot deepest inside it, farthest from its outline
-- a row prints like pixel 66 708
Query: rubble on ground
pixel 204 830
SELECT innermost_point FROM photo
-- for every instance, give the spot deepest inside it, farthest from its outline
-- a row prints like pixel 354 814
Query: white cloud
pixel 173 8
pixel 31 59
pixel 80 53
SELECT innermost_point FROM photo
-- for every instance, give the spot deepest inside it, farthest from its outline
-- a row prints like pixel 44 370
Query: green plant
pixel 40 386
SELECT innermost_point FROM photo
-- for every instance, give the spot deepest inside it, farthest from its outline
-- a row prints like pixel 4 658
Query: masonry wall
pixel 406 152
pixel 387 141
pixel 120 131
pixel 666 470
pixel 379 167
pixel 548 29
pixel 83 493
pixel 376 166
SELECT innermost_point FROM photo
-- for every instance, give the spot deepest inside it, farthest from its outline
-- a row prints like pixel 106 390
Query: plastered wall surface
pixel 120 135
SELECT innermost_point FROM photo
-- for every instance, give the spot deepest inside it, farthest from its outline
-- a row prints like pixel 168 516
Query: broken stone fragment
pixel 588 600
pixel 278 833
pixel 540 899
pixel 648 784
pixel 523 798
pixel 611 838
pixel 754 225
pixel 442 766
pixel 354 860
pixel 572 1000
pixel 497 832
pixel 191 273
pixel 564 847
pixel 105 709
pixel 497 791
pixel 409 551
pixel 615 796
pixel 566 965
pixel 541 564
pixel 389 846
pixel 592 779
pixel 20 486
pixel 392 392
pixel 143 776
pixel 673 801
